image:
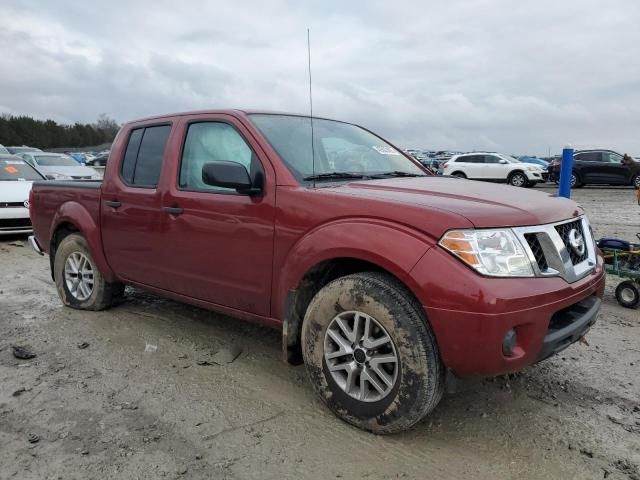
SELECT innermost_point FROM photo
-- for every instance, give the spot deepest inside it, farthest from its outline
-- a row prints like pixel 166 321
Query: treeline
pixel 24 130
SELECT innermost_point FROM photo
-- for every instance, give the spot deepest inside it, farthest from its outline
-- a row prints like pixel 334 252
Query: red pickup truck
pixel 385 280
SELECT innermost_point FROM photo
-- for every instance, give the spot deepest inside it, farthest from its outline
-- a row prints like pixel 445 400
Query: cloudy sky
pixel 512 76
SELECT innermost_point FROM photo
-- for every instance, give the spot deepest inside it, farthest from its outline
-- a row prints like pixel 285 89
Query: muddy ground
pixel 136 403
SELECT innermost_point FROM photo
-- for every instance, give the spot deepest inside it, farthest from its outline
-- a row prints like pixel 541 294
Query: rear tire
pixel 458 174
pixel 78 281
pixel 636 181
pixel 628 294
pixel 414 380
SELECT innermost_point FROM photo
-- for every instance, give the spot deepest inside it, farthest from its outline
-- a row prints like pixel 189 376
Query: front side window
pixel 210 142
pixel 589 157
pixel 611 157
pixel 338 148
pixel 143 157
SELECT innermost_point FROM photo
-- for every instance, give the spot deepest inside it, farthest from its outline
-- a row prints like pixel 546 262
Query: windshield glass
pixel 16 169
pixel 339 148
pixel 55 160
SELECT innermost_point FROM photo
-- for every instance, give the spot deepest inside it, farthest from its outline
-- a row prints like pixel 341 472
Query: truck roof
pixel 229 111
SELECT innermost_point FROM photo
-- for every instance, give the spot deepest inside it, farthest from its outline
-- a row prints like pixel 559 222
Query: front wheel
pixel 79 283
pixel 518 179
pixel 370 353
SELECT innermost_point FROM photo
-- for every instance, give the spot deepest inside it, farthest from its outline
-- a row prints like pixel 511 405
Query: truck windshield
pixel 55 161
pixel 17 170
pixel 342 150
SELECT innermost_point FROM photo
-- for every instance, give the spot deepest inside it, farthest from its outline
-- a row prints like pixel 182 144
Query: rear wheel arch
pixel 62 230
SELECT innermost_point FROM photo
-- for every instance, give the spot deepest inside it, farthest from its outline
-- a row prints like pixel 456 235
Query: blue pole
pixel 566 168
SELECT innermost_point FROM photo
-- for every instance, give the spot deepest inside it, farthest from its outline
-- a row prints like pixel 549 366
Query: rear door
pixel 589 166
pixel 218 245
pixel 132 219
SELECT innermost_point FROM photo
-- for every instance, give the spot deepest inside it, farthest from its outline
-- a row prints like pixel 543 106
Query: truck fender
pixel 392 247
pixel 75 214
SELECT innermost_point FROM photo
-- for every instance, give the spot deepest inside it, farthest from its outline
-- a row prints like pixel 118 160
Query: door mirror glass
pixel 226 174
pixel 503 161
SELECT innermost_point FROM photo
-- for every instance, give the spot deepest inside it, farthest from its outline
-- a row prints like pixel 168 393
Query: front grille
pixel 11 204
pixel 14 223
pixel 536 249
pixel 564 230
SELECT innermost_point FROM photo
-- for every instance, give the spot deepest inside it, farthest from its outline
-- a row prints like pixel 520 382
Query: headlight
pixel 58 176
pixel 497 253
pixel 531 168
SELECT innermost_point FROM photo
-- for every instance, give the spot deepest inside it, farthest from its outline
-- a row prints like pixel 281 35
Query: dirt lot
pixel 136 403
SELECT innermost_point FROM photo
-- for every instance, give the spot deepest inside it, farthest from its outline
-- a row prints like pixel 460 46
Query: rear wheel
pixel 370 353
pixel 636 181
pixel 78 281
pixel 518 179
pixel 458 174
pixel 628 294
pixel 574 180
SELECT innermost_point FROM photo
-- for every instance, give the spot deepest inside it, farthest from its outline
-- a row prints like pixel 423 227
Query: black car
pixel 99 160
pixel 599 167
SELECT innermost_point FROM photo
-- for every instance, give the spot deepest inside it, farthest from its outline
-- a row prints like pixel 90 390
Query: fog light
pixel 509 342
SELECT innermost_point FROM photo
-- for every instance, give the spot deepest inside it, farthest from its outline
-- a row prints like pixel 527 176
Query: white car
pixel 16 177
pixel 57 166
pixel 494 167
pixel 3 150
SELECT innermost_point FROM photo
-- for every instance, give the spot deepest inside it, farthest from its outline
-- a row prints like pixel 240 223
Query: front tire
pixel 370 353
pixel 78 281
pixel 518 179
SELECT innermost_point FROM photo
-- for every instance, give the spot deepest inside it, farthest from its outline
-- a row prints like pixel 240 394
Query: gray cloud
pixel 493 74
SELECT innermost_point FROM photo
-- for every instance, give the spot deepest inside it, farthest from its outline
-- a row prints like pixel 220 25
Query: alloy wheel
pixel 361 356
pixel 78 275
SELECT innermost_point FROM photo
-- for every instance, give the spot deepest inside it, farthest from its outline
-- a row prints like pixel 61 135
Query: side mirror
pixel 502 161
pixel 228 175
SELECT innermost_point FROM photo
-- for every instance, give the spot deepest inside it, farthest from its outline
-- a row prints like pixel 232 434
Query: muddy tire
pixel 628 294
pixel 79 283
pixel 352 329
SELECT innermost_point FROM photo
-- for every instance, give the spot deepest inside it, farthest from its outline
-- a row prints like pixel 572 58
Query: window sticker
pixel 11 169
pixel 384 150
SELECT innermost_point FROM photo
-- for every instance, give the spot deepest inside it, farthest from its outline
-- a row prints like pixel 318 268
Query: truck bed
pixel 58 198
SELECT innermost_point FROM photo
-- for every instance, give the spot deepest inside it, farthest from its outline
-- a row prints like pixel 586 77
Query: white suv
pixel 494 167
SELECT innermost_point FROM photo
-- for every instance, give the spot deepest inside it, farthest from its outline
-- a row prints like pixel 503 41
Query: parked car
pixel 599 167
pixel 4 151
pixel 229 210
pixel 535 161
pixel 494 167
pixel 22 149
pixel 16 177
pixel 57 166
pixel 99 160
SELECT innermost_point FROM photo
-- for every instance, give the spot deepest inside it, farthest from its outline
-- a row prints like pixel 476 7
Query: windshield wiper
pixel 397 173
pixel 335 175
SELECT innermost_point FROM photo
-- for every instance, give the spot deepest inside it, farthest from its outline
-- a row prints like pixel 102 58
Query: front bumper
pixel 14 220
pixel 471 314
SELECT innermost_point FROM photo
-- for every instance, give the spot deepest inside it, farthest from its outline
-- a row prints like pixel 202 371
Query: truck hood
pixel 71 171
pixel 483 204
pixel 14 191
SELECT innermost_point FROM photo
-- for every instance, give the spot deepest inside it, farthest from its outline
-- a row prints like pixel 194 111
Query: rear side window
pixel 143 157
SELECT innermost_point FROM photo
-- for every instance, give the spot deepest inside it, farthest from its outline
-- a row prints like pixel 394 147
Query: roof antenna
pixel 313 155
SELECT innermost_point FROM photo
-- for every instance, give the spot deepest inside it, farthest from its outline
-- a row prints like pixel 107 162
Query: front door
pixel 218 242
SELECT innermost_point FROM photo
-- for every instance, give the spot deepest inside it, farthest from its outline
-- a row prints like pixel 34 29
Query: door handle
pixel 113 203
pixel 173 210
